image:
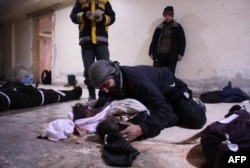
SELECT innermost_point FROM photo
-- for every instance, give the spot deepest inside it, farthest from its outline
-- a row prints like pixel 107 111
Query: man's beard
pixel 115 90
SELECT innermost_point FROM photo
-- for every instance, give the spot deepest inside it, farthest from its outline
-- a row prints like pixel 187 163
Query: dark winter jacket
pixel 154 87
pixel 178 42
pixel 228 94
pixel 90 31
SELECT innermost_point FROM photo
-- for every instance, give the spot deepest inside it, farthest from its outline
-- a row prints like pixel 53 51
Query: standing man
pixel 93 18
pixel 168 43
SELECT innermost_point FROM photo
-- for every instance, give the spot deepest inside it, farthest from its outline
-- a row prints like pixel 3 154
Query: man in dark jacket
pixel 168 98
pixel 93 18
pixel 168 42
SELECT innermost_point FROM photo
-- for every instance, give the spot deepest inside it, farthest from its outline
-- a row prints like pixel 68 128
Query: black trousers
pixel 164 60
pixel 188 111
pixel 90 53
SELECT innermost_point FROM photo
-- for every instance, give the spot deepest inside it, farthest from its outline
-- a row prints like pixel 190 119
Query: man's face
pixel 168 17
pixel 108 86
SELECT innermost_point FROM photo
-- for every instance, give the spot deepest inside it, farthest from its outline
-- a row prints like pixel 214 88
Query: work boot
pixel 90 98
pixel 92 95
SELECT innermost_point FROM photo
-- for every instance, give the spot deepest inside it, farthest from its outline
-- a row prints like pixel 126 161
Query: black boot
pixel 73 94
pixel 92 95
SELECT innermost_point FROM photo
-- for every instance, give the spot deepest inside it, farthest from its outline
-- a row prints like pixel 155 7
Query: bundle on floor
pixel 230 135
pixel 15 95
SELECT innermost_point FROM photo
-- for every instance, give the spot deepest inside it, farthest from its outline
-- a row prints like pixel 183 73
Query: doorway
pixel 42 46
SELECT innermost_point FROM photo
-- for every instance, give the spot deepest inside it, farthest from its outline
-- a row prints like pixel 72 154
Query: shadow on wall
pixel 196 48
pixel 145 44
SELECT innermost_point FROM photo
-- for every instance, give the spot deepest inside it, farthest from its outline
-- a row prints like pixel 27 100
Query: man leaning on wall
pixel 168 43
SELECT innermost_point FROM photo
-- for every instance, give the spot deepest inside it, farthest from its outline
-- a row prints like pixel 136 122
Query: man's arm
pixel 109 15
pixel 77 16
pixel 161 113
pixel 182 41
pixel 154 44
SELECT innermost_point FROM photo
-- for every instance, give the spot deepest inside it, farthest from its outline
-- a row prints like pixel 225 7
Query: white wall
pixel 16 50
pixel 22 50
pixel 7 65
pixel 217 33
pixel 66 52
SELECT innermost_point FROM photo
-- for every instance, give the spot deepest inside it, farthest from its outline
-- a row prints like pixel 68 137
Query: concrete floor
pixel 19 147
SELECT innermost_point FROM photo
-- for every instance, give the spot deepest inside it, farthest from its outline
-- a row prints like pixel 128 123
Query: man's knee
pixel 197 124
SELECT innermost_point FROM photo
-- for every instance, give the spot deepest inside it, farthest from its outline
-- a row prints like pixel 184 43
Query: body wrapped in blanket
pixel 87 118
pixel 106 123
pixel 14 95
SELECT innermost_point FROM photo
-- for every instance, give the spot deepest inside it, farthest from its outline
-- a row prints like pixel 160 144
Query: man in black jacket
pixel 93 17
pixel 168 43
pixel 168 98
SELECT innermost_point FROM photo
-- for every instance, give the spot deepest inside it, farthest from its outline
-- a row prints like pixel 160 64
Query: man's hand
pixel 88 14
pixel 131 132
pixel 99 18
pixel 180 57
pixel 96 18
pixel 151 56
